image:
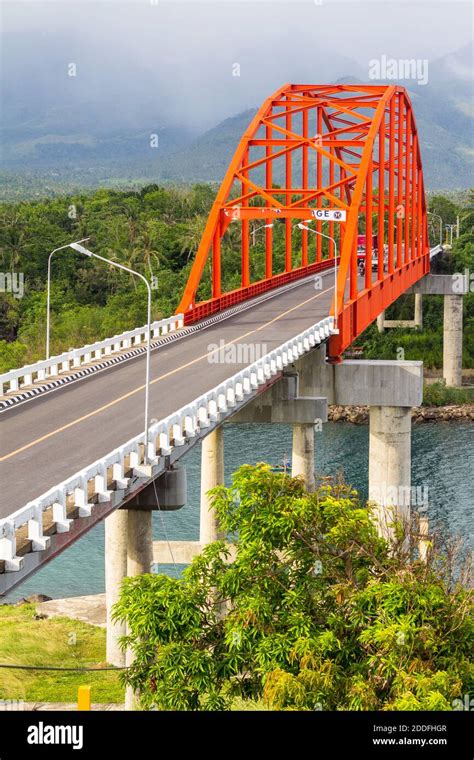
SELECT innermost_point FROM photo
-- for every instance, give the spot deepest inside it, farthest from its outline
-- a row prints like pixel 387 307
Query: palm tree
pixel 12 238
pixel 148 243
pixel 192 235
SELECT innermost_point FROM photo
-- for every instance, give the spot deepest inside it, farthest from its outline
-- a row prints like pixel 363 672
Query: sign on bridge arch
pixel 329 214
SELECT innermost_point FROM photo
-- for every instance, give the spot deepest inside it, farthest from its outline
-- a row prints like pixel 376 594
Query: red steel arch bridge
pixel 352 148
pixel 331 177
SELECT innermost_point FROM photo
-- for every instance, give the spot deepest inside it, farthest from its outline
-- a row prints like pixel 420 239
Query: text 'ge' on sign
pixel 329 214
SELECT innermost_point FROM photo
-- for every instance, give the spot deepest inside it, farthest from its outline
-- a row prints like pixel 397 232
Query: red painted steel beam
pixel 339 166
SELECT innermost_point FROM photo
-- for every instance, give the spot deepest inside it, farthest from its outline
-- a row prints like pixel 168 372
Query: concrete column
pixel 139 561
pixel 302 458
pixel 380 322
pixel 116 526
pixel 423 541
pixel 390 465
pixel 131 697
pixel 212 474
pixel 140 541
pixel 452 340
pixel 418 319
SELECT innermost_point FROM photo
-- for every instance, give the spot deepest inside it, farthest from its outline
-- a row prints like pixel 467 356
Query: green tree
pixel 309 611
pixel 192 234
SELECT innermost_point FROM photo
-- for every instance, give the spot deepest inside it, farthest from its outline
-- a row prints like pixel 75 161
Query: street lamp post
pixel 450 228
pixel 431 213
pixel 48 291
pixel 76 246
pixel 328 237
pixel 262 227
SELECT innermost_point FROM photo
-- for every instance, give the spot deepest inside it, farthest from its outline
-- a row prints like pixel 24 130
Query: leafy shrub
pixel 311 611
pixel 12 355
pixel 438 394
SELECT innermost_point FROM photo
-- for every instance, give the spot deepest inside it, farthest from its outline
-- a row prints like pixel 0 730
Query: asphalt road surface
pixel 49 438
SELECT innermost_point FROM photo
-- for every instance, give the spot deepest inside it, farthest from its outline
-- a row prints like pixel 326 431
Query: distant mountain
pixel 206 158
pixel 441 112
pixel 70 142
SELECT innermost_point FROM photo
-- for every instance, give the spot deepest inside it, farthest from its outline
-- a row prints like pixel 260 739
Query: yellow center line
pixel 156 380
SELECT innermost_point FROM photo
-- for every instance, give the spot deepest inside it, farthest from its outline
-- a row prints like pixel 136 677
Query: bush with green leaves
pixel 307 609
pixel 439 394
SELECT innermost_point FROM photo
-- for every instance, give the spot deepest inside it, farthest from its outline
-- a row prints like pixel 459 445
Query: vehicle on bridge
pixel 361 253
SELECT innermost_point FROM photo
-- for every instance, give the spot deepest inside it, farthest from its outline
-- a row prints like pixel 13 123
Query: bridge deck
pixel 49 438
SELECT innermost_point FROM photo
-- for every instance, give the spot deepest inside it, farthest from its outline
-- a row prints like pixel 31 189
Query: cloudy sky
pixel 175 60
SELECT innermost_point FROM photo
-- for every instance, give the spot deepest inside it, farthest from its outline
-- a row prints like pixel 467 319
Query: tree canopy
pixel 157 230
pixel 307 609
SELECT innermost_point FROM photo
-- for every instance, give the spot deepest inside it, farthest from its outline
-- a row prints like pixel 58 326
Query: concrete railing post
pixel 212 474
pixel 380 322
pixel 116 527
pixel 390 465
pixel 452 340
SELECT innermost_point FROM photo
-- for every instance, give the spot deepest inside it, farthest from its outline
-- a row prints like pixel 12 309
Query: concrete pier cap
pixel 167 492
pixel 379 383
pixel 364 382
pixel 283 404
pixel 441 285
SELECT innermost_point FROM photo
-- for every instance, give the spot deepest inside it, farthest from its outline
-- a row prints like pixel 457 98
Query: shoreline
pixel 359 415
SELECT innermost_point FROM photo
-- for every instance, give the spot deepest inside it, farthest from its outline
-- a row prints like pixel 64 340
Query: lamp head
pixel 81 249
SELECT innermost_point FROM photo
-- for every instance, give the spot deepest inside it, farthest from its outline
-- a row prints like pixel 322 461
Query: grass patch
pixel 60 642
pixel 438 394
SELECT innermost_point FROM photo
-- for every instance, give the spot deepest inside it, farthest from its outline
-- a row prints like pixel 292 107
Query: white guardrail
pixel 15 379
pixel 173 431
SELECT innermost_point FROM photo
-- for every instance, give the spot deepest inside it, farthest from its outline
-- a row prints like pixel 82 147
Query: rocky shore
pixel 359 415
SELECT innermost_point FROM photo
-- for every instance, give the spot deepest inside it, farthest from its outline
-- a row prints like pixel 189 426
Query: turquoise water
pixel 442 460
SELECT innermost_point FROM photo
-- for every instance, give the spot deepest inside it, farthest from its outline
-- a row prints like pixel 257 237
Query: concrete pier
pixel 390 388
pixel 452 340
pixel 140 541
pixel 291 402
pixel 116 527
pixel 302 458
pixel 390 465
pixel 453 287
pixel 128 551
pixel 139 561
pixel 418 318
pixel 212 474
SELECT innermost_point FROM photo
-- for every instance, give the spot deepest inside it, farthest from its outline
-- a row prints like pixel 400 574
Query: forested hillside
pixel 157 231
